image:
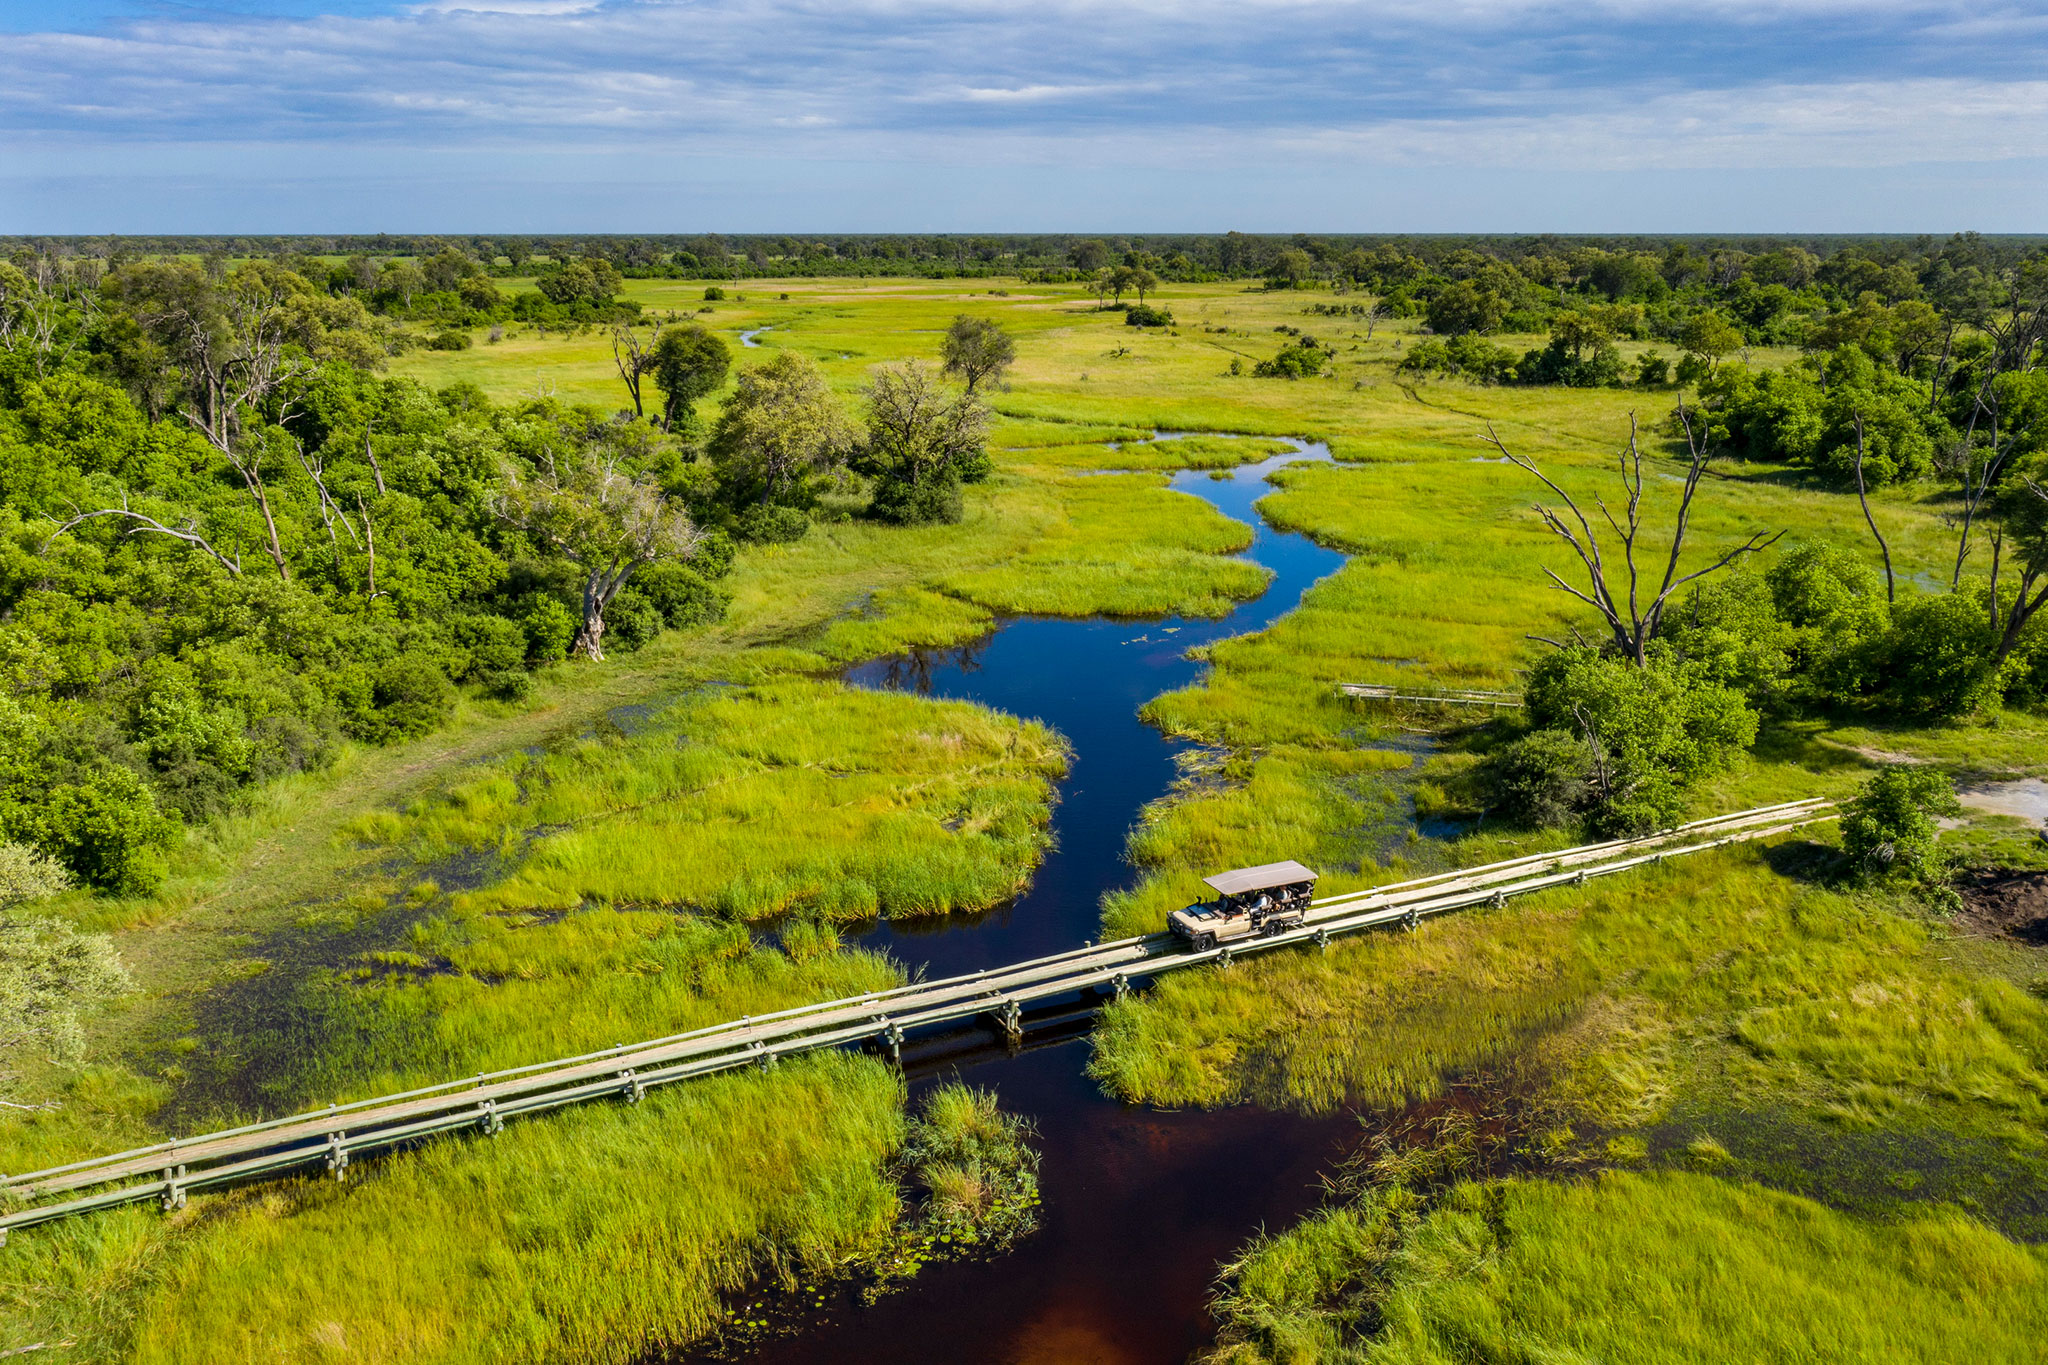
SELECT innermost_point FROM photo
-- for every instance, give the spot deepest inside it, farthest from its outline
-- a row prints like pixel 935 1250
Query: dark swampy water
pixel 1140 1205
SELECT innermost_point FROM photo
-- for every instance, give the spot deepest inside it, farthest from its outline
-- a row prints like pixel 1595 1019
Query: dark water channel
pixel 1139 1205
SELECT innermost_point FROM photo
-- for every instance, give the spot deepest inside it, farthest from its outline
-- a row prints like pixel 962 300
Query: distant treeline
pixel 1190 256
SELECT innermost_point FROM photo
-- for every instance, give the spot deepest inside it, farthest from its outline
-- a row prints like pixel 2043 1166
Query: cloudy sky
pixel 896 115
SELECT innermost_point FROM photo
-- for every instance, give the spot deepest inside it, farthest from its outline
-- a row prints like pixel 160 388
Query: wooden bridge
pixel 1432 696
pixel 332 1137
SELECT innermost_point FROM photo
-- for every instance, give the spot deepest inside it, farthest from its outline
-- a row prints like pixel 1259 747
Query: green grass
pixel 574 1236
pixel 1715 977
pixel 1675 1267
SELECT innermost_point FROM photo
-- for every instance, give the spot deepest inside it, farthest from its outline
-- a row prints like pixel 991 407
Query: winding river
pixel 1140 1205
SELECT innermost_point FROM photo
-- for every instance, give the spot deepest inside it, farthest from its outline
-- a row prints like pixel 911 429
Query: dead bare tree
pixel 1632 624
pixel 186 531
pixel 633 360
pixel 1863 496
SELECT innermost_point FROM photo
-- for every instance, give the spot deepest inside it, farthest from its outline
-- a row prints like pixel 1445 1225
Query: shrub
pixel 632 620
pixel 713 294
pixel 936 500
pixel 1652 370
pixel 1302 359
pixel 49 973
pixel 550 628
pixel 29 874
pixel 407 696
pixel 1889 828
pixel 1835 609
pixel 682 594
pixel 450 340
pixel 108 832
pixel 487 647
pixel 1938 657
pixel 1145 315
pixel 770 523
pixel 1541 779
pixel 1650 732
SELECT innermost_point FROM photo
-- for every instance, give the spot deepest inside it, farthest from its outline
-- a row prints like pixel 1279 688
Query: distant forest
pixel 1182 256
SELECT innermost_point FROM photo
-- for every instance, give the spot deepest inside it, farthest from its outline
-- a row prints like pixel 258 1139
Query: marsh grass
pixel 1671 1267
pixel 585 1237
pixel 795 796
pixel 1715 973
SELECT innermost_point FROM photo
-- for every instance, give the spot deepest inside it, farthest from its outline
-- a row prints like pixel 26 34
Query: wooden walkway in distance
pixel 1437 696
pixel 329 1138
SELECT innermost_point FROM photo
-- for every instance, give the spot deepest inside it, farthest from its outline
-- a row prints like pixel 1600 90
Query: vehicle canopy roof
pixel 1261 878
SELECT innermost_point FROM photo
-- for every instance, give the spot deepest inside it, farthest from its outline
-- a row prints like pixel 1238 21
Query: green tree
pixel 1650 732
pixel 599 507
pixel 1089 256
pixel 977 350
pixel 689 364
pixel 921 445
pixel 1707 337
pixel 1465 307
pixel 781 428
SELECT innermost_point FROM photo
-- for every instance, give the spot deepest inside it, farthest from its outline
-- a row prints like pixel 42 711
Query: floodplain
pixel 1696 1069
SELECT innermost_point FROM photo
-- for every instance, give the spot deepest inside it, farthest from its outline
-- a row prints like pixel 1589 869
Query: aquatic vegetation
pixel 1665 1267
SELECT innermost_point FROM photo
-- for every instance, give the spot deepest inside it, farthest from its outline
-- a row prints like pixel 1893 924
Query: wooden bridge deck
pixel 1432 696
pixel 330 1137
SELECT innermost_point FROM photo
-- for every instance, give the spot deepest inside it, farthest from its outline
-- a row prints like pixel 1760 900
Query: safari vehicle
pixel 1251 902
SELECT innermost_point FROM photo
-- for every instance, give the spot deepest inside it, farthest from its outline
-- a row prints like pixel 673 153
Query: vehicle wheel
pixel 1204 942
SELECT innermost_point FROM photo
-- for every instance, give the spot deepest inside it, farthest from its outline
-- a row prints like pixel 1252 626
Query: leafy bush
pixel 683 595
pixel 29 874
pixel 106 829
pixel 632 620
pixel 1807 414
pixel 449 340
pixel 549 626
pixel 405 698
pixel 713 294
pixel 1471 357
pixel 1542 779
pixel 1889 828
pixel 1650 732
pixel 1938 657
pixel 1301 359
pixel 771 524
pixel 49 974
pixel 1145 315
pixel 1835 609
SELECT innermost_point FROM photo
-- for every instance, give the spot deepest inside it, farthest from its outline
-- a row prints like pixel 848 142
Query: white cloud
pixel 1207 84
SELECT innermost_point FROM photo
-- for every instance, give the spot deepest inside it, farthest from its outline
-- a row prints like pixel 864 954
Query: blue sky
pixel 1052 115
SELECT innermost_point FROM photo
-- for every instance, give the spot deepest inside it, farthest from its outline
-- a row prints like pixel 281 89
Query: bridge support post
pixel 1323 939
pixel 893 1037
pixel 634 1086
pixel 1412 920
pixel 1498 900
pixel 1010 1021
pixel 487 1118
pixel 174 1188
pixel 337 1155
pixel 1122 984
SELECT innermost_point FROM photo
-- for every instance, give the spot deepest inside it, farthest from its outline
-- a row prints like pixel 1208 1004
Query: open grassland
pixel 1668 1268
pixel 557 874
